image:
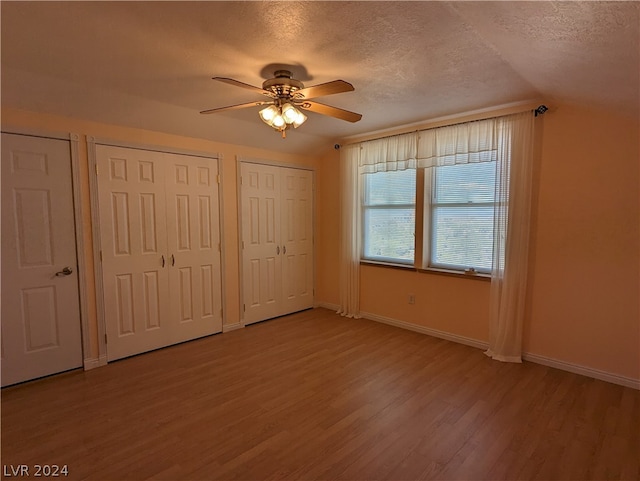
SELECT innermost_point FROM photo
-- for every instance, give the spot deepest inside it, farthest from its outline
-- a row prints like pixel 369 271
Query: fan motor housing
pixel 282 85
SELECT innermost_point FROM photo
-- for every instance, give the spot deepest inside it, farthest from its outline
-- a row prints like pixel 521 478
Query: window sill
pixel 460 274
pixel 428 270
pixel 391 265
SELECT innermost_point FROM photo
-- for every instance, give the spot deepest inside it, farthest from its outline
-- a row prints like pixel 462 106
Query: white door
pixel 131 192
pixel 277 240
pixel 297 239
pixel 40 307
pixel 160 240
pixel 193 246
pixel 261 265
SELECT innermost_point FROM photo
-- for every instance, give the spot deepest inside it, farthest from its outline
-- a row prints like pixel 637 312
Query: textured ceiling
pixel 149 64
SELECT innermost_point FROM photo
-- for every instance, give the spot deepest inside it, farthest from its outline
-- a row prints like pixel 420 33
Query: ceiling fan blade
pixel 330 111
pixel 235 107
pixel 329 88
pixel 243 85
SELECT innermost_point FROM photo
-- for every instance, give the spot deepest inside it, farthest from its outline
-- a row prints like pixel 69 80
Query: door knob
pixel 64 272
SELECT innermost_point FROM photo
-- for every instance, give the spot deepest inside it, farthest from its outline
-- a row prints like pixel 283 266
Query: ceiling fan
pixel 286 96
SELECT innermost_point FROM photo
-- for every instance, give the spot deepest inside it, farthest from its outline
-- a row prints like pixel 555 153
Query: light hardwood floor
pixel 317 396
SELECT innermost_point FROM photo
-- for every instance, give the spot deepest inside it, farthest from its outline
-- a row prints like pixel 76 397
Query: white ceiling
pixel 149 64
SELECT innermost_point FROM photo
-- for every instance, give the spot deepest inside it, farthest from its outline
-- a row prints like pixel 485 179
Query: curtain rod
pixel 540 110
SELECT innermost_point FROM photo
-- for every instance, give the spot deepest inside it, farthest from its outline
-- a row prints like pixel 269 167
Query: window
pixel 438 210
pixel 389 213
pixel 461 220
pixel 458 211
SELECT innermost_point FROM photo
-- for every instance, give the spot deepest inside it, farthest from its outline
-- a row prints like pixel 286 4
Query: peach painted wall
pixel 584 276
pixel 454 305
pixel 327 228
pixel 584 280
pixel 30 121
pixel 445 303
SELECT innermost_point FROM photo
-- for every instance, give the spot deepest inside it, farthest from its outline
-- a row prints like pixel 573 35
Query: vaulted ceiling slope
pixel 149 64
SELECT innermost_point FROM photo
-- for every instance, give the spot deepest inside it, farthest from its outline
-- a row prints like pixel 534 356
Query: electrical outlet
pixel 412 298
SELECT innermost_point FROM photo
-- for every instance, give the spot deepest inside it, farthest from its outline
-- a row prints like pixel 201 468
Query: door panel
pixel 40 311
pixel 262 275
pixel 297 196
pixel 194 245
pixel 133 240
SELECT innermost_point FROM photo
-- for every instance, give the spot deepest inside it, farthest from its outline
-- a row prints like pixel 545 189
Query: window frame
pixel 385 207
pixel 423 228
pixel 429 212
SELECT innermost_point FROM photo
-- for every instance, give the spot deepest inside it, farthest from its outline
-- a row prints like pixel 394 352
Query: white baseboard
pixel 327 305
pixel 582 370
pixel 92 363
pixel 426 330
pixel 231 327
pixel 527 356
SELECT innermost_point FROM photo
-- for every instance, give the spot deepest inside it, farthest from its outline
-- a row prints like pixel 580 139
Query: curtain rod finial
pixel 541 110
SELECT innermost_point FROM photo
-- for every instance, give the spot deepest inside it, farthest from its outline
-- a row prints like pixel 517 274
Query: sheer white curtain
pixel 380 155
pixel 351 227
pixel 388 154
pixel 511 236
pixel 458 144
pixel 508 141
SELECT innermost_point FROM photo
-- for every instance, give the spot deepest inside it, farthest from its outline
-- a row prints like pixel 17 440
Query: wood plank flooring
pixel 317 396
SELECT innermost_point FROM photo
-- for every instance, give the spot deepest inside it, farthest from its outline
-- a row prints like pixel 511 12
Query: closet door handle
pixel 173 260
pixel 278 250
pixel 163 260
pixel 67 271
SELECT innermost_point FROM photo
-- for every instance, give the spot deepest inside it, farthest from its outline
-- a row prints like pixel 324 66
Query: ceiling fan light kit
pixel 281 117
pixel 288 96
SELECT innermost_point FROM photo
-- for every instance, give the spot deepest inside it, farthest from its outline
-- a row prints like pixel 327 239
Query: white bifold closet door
pixel 160 241
pixel 277 240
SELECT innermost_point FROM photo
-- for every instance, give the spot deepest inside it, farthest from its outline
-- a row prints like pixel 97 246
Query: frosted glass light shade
pixel 300 119
pixel 267 115
pixel 278 121
pixel 290 113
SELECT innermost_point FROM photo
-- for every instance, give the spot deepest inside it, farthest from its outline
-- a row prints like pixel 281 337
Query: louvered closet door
pixel 194 245
pixel 297 239
pixel 261 266
pixel 131 186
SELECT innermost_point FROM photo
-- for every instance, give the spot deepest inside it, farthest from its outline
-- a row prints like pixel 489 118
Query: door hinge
pixel 105 338
pixel 243 244
pixel 96 169
pixel 100 256
pixel 218 178
pixel 244 308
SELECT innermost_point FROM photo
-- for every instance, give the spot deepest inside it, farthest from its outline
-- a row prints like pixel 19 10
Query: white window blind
pixel 462 210
pixel 389 211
